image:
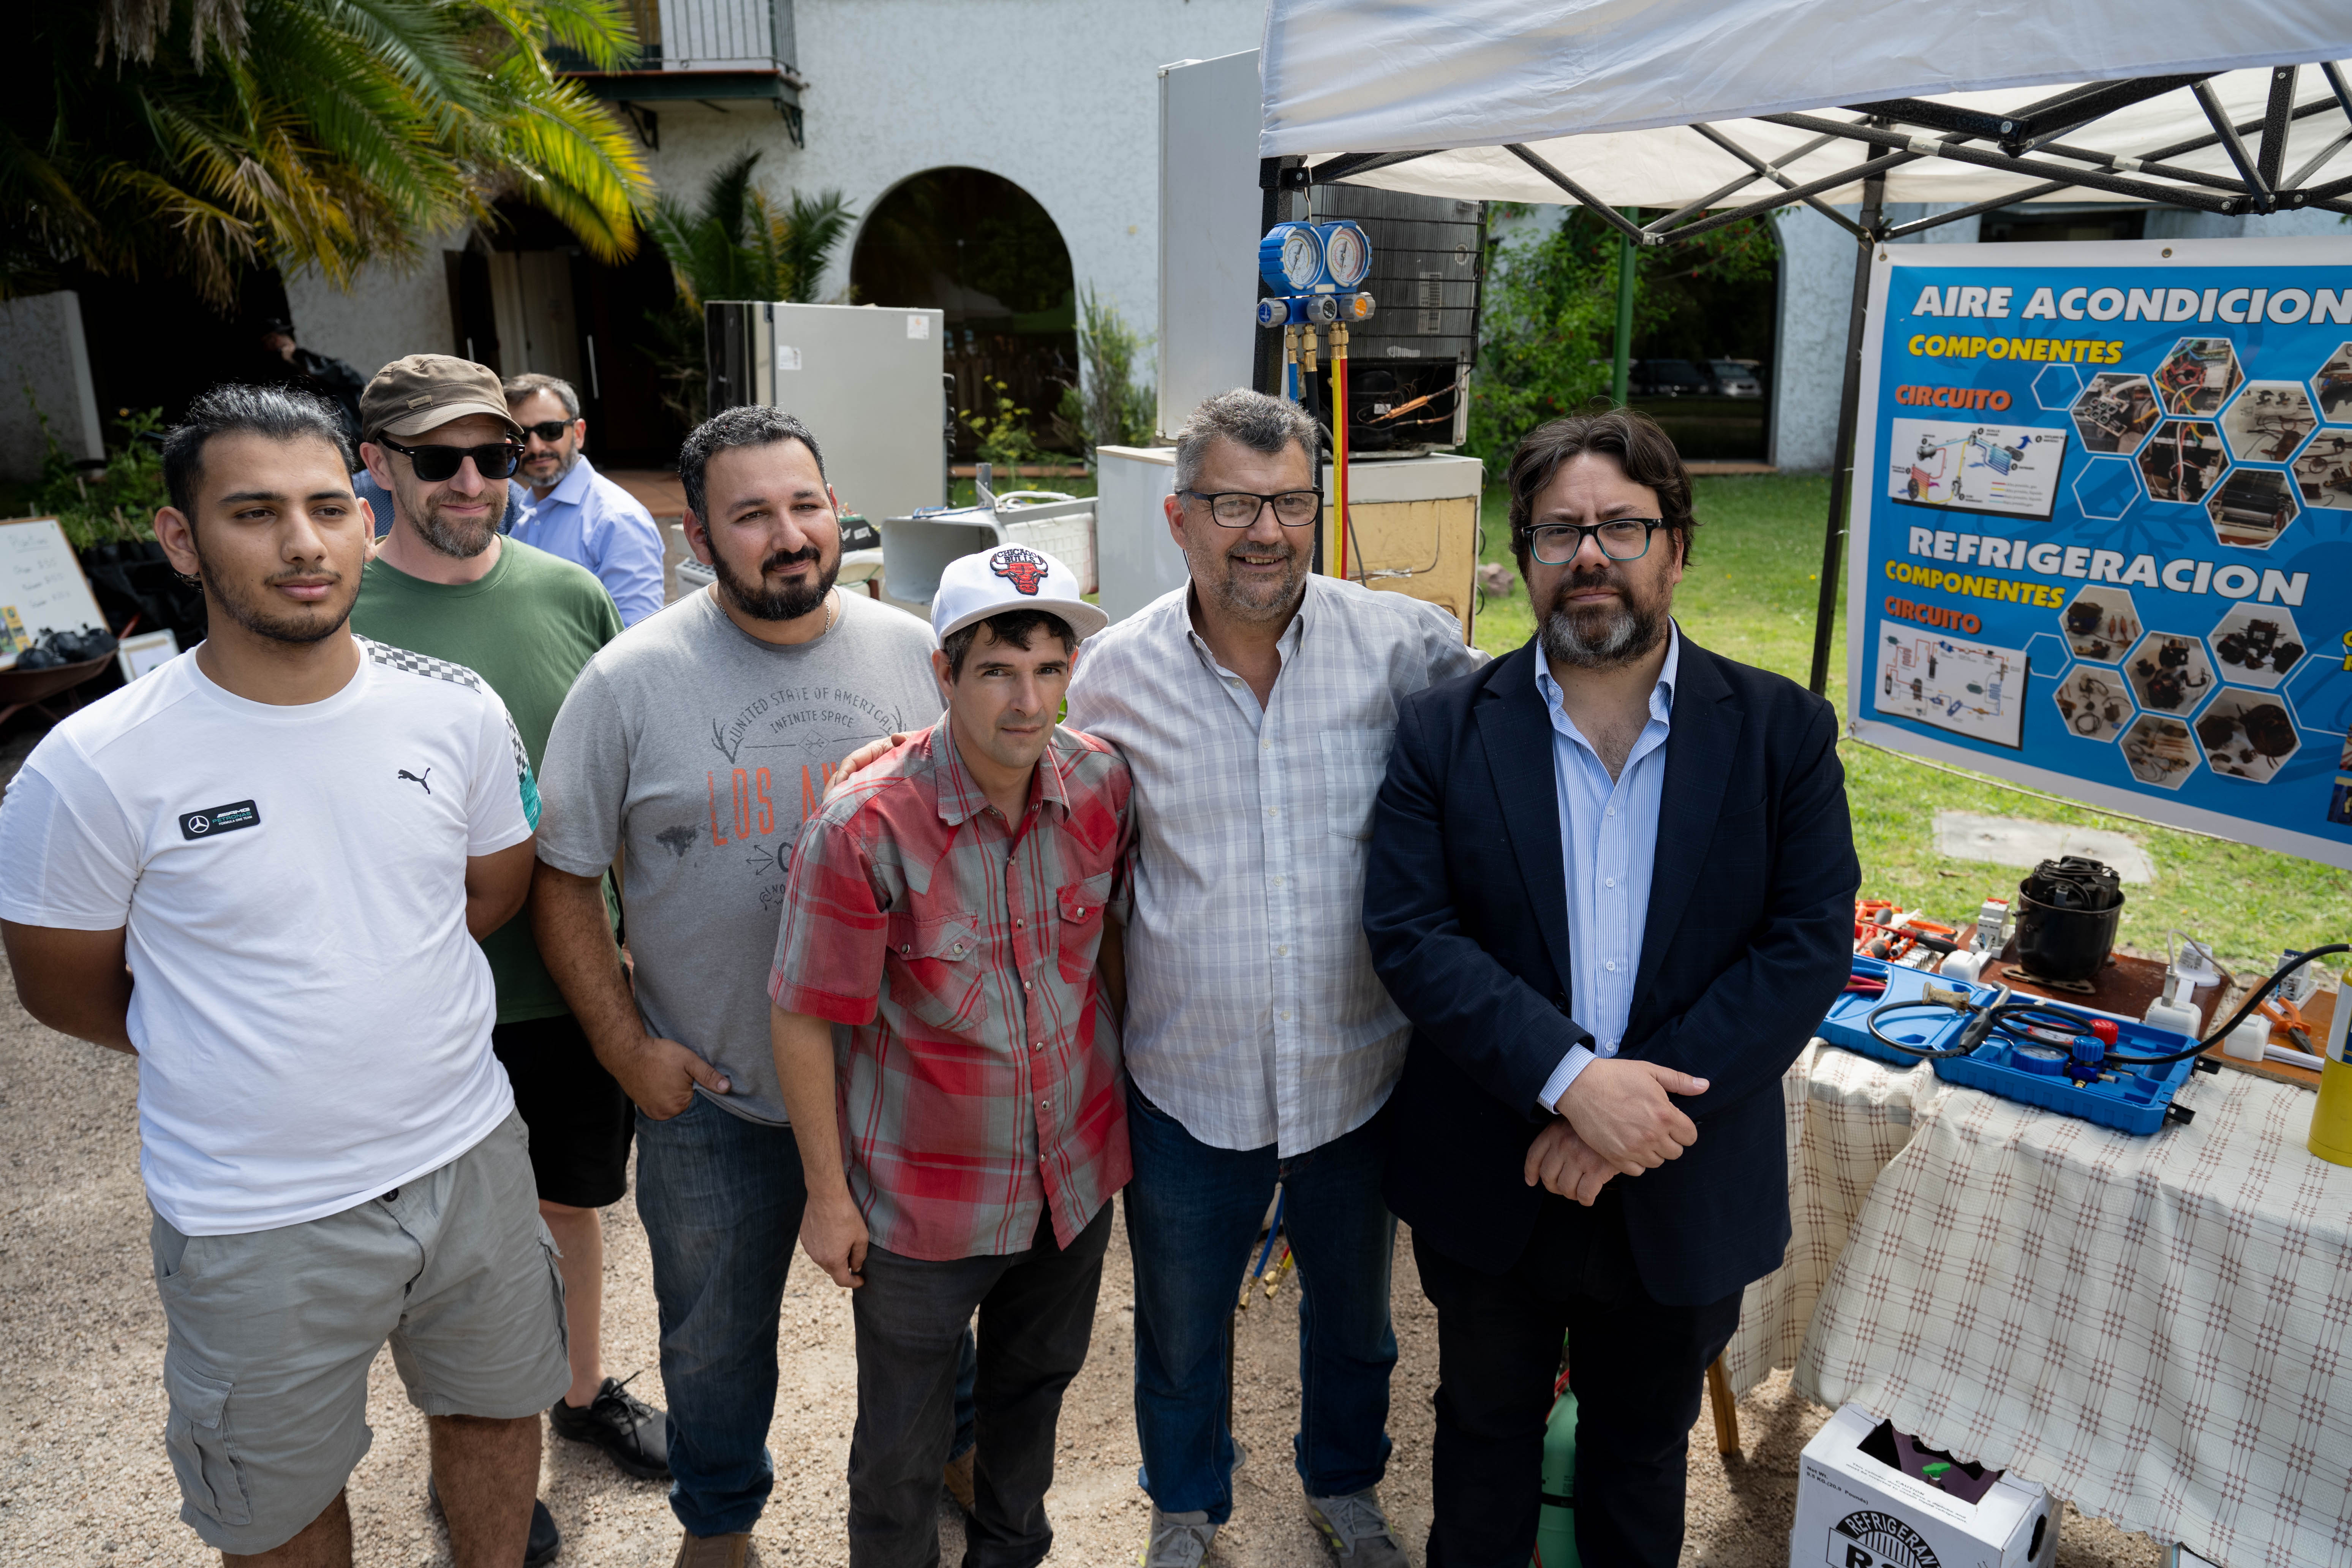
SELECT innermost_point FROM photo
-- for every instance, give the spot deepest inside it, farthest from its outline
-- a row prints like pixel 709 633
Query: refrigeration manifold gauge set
pixel 1317 271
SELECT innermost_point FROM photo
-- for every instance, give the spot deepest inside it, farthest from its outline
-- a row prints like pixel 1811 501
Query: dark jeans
pixel 1036 1317
pixel 1636 1364
pixel 1193 1214
pixel 721 1199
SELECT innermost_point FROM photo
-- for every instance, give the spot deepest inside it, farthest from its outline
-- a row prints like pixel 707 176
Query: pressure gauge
pixel 1290 257
pixel 1347 254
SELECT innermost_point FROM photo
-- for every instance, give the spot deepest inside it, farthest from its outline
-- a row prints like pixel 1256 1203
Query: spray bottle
pixel 2331 1116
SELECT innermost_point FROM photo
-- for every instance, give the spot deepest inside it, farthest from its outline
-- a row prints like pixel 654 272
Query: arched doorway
pixel 980 249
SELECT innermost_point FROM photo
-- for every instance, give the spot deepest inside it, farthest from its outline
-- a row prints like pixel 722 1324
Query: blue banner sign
pixel 2102 526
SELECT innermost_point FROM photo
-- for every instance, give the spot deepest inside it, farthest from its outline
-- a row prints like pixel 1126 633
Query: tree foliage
pixel 113 503
pixel 1111 405
pixel 1549 322
pixel 736 244
pixel 200 137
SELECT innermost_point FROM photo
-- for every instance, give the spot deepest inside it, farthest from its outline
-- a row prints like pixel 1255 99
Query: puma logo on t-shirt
pixel 419 779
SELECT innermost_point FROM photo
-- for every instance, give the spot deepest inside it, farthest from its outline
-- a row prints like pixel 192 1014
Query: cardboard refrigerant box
pixel 1870 1496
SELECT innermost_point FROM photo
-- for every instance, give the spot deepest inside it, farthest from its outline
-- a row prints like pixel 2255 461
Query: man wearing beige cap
pixel 447 584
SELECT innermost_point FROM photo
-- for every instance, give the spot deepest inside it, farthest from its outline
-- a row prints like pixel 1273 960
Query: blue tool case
pixel 2128 1099
pixel 1844 1025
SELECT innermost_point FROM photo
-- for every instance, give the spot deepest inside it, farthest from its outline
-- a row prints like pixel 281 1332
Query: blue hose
pixel 1272 1231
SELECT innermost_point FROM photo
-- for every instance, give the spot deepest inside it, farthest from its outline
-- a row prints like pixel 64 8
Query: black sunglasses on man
pixel 433 464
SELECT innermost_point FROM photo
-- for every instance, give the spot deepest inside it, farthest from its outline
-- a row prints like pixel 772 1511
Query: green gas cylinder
pixel 1556 1528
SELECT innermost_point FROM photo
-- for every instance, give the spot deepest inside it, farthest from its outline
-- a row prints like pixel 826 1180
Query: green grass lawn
pixel 1749 594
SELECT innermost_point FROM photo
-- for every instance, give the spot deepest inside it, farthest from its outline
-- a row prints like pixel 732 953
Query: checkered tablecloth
pixel 2156 1328
pixel 1847 1117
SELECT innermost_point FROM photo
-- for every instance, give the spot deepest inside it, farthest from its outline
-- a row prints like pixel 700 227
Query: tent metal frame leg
pixel 1873 192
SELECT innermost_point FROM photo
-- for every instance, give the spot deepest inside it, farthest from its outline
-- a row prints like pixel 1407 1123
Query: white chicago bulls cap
pixel 1010 577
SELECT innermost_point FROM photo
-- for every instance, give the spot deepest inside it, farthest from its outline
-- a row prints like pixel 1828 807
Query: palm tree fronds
pixel 327 133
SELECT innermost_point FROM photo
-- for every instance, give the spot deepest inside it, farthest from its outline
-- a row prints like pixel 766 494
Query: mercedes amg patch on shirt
pixel 219 819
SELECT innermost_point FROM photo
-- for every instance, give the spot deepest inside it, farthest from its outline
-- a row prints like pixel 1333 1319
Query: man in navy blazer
pixel 1612 885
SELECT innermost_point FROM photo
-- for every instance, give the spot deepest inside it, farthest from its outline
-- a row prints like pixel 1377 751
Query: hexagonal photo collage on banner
pixel 2198 376
pixel 2100 623
pixel 2159 752
pixel 2247 735
pixel 2182 461
pixel 2257 645
pixel 2093 703
pixel 2114 413
pixel 2252 508
pixel 2323 469
pixel 2169 672
pixel 2268 421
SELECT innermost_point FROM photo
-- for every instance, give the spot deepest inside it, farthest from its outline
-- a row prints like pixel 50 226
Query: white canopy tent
pixel 1721 110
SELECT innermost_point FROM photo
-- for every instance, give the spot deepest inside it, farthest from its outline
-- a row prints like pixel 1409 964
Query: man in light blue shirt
pixel 1610 881
pixel 566 508
pixel 1609 838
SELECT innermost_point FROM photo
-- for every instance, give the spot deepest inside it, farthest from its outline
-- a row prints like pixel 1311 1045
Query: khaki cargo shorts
pixel 272 1333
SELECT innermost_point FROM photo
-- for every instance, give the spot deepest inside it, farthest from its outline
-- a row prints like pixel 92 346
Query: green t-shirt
pixel 527 627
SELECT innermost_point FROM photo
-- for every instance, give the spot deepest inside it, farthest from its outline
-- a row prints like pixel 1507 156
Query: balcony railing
pixel 710 51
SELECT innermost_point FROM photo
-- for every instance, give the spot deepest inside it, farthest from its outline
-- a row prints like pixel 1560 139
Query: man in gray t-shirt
pixel 689 751
pixel 694 749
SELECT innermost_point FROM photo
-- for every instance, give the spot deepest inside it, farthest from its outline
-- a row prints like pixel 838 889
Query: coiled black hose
pixel 2006 1017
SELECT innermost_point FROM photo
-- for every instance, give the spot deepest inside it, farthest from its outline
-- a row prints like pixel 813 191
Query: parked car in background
pixel 1667 378
pixel 1734 378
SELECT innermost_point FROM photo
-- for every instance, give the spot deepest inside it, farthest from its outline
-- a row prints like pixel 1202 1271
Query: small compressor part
pixel 2067 914
pixel 2248 1041
pixel 1984 943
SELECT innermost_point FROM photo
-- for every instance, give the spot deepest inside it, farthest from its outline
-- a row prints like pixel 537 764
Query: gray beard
pixel 440 537
pixel 1609 639
pixel 563 470
pixel 1285 601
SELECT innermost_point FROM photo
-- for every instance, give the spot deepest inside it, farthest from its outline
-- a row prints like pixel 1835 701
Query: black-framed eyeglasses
pixel 433 464
pixel 549 430
pixel 1239 509
pixel 1620 539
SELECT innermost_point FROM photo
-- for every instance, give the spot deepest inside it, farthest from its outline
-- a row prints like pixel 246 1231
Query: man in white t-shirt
pixel 264 870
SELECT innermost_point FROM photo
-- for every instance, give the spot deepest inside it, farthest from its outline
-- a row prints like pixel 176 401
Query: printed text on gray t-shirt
pixel 697 750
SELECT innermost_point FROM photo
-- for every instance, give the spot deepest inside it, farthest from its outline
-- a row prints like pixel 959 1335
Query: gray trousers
pixel 1036 1317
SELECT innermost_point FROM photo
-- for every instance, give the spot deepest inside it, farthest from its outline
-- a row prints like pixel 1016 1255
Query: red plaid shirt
pixel 980 1085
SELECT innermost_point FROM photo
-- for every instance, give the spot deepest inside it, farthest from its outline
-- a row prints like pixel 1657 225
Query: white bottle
pixel 2171 1010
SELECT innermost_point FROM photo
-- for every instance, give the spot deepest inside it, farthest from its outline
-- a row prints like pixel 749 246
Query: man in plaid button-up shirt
pixel 1257 706
pixel 943 948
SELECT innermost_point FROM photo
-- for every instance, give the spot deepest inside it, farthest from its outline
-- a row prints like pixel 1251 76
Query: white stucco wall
pixel 42 351
pixel 390 313
pixel 1816 304
pixel 1061 97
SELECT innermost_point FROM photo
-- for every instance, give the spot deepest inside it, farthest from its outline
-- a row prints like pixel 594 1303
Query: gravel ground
pixel 83 1478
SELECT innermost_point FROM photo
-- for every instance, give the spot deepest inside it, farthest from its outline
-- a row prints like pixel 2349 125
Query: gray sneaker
pixel 1180 1540
pixel 1356 1531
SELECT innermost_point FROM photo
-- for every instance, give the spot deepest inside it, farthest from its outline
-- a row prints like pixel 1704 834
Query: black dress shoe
pixel 621 1424
pixel 545 1541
